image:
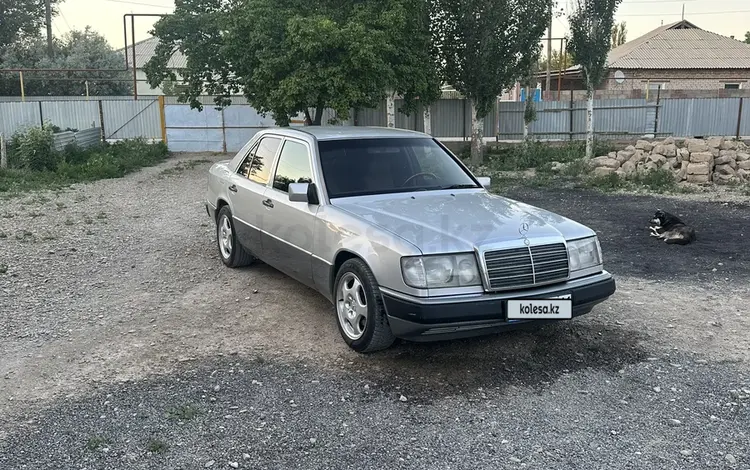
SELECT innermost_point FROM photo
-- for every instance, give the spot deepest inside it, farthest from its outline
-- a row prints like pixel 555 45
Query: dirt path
pixel 120 281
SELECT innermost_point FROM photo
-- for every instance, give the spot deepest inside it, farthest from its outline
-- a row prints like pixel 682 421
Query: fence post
pixel 464 119
pixel 163 119
pixel 570 126
pixel 41 116
pixel 101 121
pixel 3 153
pixel 739 119
pixel 656 117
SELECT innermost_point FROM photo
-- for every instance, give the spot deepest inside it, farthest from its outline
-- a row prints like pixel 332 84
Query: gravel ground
pixel 125 343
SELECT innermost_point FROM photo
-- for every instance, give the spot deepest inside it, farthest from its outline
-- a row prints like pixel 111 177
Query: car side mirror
pixel 485 181
pixel 303 192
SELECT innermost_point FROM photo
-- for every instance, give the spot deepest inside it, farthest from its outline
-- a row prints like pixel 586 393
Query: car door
pixel 287 235
pixel 246 192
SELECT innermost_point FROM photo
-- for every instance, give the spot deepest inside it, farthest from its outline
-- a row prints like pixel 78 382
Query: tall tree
pixel 21 19
pixel 299 56
pixel 590 36
pixel 559 61
pixel 77 49
pixel 619 35
pixel 484 47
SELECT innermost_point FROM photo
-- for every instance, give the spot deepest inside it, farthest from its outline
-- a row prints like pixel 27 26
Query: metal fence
pixel 81 139
pixel 185 129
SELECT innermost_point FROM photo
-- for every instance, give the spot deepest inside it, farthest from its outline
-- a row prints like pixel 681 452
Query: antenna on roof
pixel 683 12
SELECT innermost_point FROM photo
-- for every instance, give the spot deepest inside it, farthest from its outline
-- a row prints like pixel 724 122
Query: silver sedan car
pixel 400 236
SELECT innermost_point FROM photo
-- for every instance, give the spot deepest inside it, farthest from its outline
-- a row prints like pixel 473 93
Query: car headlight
pixel 432 272
pixel 584 254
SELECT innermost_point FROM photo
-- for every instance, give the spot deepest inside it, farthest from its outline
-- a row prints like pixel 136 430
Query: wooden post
pixel 163 119
pixel 41 116
pixel 656 118
pixel 3 153
pixel 135 70
pixel 101 120
pixel 23 92
pixel 739 119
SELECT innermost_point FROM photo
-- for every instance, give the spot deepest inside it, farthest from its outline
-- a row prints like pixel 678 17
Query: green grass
pixel 535 154
pixel 78 166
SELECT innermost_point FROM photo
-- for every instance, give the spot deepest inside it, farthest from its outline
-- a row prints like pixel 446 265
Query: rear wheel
pixel 232 253
pixel 360 313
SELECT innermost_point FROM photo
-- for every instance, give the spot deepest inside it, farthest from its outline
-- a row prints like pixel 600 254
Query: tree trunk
pixel 477 136
pixel 318 115
pixel 589 120
pixel 525 124
pixel 390 110
pixel 3 153
pixel 427 121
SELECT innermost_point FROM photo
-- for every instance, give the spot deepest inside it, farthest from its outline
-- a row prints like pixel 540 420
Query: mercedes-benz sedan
pixel 400 236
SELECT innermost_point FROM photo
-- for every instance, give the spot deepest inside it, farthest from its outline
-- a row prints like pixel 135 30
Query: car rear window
pixel 356 167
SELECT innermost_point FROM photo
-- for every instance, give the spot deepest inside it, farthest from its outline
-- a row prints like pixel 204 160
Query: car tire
pixel 231 251
pixel 356 291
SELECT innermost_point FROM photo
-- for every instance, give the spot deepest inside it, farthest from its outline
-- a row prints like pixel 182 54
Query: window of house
pixel 257 164
pixel 657 85
pixel 294 166
pixel 731 86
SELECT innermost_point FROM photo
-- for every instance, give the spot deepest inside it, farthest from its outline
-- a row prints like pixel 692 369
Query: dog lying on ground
pixel 671 229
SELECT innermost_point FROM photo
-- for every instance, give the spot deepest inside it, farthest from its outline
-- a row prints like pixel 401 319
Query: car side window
pixel 257 164
pixel 293 167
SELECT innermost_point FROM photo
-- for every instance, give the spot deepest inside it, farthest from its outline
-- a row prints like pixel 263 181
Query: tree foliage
pixel 75 50
pixel 619 35
pixel 21 19
pixel 486 45
pixel 590 36
pixel 747 37
pixel 559 61
pixel 291 56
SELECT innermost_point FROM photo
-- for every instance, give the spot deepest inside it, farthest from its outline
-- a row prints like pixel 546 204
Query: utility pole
pixel 549 53
pixel 48 13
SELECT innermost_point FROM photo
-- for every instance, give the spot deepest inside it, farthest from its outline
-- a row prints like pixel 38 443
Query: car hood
pixel 460 221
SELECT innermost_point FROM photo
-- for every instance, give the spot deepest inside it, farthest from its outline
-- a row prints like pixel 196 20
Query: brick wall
pixel 697 83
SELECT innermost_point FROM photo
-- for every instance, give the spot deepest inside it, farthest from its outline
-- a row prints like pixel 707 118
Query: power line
pixel 65 20
pixel 139 3
pixel 695 13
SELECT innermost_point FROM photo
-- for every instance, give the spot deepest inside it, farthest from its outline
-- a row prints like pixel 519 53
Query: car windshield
pixel 357 167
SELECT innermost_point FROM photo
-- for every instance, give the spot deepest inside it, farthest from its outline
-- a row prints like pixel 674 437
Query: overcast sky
pixel 726 17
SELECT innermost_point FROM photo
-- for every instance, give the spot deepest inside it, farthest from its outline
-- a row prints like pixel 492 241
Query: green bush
pixel 34 149
pixel 77 165
pixel 535 154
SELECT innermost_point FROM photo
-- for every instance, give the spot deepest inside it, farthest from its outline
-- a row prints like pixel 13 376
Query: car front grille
pixel 527 266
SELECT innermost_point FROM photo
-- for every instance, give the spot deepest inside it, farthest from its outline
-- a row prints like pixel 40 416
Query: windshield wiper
pixel 460 186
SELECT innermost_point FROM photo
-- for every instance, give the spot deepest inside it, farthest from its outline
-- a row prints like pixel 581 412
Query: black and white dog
pixel 671 229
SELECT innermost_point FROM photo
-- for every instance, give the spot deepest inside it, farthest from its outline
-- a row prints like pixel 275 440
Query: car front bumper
pixel 439 318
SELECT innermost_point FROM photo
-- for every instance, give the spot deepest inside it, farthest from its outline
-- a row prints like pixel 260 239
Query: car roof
pixel 352 132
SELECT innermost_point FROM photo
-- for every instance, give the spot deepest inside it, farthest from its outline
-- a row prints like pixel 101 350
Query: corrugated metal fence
pixel 228 129
pixel 82 139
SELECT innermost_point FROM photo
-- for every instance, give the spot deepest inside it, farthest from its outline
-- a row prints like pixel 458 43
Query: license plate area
pixel 558 307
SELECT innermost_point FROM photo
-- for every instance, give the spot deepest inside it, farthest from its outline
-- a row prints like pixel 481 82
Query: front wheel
pixel 361 317
pixel 232 253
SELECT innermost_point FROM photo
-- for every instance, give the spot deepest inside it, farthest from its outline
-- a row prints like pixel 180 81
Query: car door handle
pixel 268 203
pixel 233 188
